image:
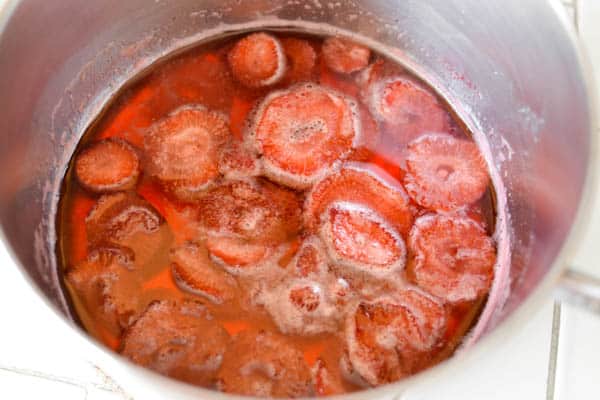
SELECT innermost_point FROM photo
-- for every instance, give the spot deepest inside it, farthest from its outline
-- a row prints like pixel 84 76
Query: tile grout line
pixel 553 357
pixel 60 379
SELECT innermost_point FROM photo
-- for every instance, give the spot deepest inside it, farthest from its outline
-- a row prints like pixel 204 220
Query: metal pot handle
pixel 580 290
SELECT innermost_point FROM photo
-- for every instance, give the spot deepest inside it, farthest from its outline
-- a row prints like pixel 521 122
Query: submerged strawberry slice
pixel 302 132
pixel 179 339
pixel 344 56
pixel 453 257
pixel 257 60
pixel 107 287
pixel 444 173
pixel 359 239
pixel 236 254
pixel 311 259
pixel 407 109
pixel 302 59
pixel 264 364
pixel 110 165
pixel 303 306
pixel 183 149
pixel 195 272
pixel 363 184
pixel 393 337
pixel 237 162
pixel 254 210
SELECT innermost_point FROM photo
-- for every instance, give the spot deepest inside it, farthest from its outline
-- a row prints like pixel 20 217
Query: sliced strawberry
pixel 183 149
pixel 406 108
pixel 359 239
pixel 258 60
pixel 303 307
pixel 264 364
pixel 453 257
pixel 118 217
pixel 195 272
pixel 238 162
pixel 445 173
pixel 302 59
pixel 311 259
pixel 302 132
pixel 344 56
pixel 254 210
pixel 179 339
pixel 237 254
pixel 108 288
pixel 110 165
pixel 393 337
pixel 363 184
pixel 305 298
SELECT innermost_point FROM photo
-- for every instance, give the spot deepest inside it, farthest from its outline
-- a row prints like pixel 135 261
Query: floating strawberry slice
pixel 195 272
pixel 393 337
pixel 264 364
pixel 183 149
pixel 238 162
pixel 407 108
pixel 179 339
pixel 344 56
pixel 445 173
pixel 302 59
pixel 311 259
pixel 235 254
pixel 359 239
pixel 453 257
pixel 326 381
pixel 302 132
pixel 118 217
pixel 303 306
pixel 254 210
pixel 108 288
pixel 258 60
pixel 110 165
pixel 363 184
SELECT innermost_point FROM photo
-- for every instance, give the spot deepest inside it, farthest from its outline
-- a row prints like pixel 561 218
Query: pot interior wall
pixel 508 67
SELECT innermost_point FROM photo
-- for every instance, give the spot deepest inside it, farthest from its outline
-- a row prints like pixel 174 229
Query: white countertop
pixel 38 360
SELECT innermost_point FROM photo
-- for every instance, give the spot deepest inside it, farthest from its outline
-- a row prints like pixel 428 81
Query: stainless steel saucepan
pixel 511 68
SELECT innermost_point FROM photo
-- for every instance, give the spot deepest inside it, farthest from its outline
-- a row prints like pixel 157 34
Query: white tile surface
pixel 37 359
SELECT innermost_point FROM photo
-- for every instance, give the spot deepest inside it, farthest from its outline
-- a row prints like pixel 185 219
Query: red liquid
pixel 202 76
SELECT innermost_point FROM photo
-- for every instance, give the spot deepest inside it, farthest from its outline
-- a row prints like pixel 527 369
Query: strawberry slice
pixel 264 364
pixel 252 209
pixel 389 338
pixel 183 150
pixel 453 257
pixel 258 60
pixel 302 132
pixel 107 287
pixel 194 272
pixel 302 59
pixel 445 173
pixel 363 184
pixel 344 56
pixel 110 165
pixel 179 339
pixel 407 109
pixel 357 238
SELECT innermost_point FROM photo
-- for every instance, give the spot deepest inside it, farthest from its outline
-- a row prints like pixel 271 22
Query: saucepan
pixel 510 68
